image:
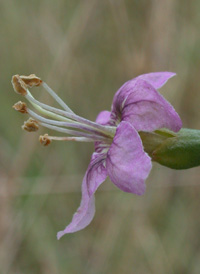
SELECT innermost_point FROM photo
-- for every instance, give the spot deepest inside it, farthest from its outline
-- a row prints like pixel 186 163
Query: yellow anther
pixel 30 125
pixel 45 140
pixel 19 85
pixel 31 80
pixel 21 107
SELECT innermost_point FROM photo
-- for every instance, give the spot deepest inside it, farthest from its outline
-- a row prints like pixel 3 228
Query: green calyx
pixel 175 150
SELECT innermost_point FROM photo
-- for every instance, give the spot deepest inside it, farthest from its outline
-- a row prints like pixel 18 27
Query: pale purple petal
pixel 83 215
pixel 96 173
pixel 86 211
pixel 127 164
pixel 103 117
pixel 157 79
pixel 145 108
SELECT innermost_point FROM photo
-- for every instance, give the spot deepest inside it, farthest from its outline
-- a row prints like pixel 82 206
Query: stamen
pixel 45 140
pixel 56 97
pixel 108 130
pixel 71 138
pixel 30 125
pixel 31 80
pixel 64 124
pixel 19 85
pixel 74 132
pixel 62 118
pixel 21 107
pixel 39 106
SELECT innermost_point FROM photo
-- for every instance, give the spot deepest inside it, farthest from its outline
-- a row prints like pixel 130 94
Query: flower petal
pixel 145 108
pixel 103 117
pixel 95 175
pixel 157 79
pixel 127 164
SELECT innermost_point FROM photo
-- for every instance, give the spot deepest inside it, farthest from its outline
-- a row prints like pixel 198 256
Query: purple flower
pixel 137 106
pixel 119 154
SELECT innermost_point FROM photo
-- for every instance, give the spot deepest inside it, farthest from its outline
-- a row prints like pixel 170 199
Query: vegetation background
pixel 85 50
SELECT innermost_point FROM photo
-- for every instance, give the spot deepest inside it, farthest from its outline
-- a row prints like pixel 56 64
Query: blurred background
pixel 85 50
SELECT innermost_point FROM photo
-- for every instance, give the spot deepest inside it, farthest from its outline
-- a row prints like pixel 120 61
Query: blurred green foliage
pixel 85 50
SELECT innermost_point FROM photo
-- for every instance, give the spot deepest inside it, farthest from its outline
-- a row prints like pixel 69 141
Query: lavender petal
pixel 157 79
pixel 86 211
pixel 103 117
pixel 140 104
pixel 127 164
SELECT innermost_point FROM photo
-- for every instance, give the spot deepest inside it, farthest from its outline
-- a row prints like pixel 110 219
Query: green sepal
pixel 181 151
